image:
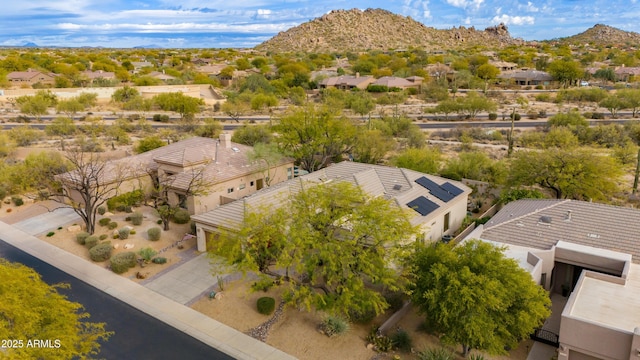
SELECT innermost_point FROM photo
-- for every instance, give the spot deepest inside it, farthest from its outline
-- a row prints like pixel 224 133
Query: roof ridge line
pixel 528 214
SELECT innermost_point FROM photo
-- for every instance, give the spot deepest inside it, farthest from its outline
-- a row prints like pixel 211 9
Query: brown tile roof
pixel 396 184
pixel 348 81
pixel 393 81
pixel 541 224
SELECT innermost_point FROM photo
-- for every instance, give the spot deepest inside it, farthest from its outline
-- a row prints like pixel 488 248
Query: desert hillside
pixel 377 29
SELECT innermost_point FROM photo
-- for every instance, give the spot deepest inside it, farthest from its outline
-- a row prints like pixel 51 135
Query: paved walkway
pixel 544 351
pixel 185 282
pixel 48 221
pixel 191 322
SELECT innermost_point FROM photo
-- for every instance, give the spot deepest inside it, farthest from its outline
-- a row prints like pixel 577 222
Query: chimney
pixel 225 139
pixel 568 217
pixel 357 75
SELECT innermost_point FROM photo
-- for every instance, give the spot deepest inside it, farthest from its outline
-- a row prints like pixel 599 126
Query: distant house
pixel 504 65
pixel 588 250
pixel 436 205
pixel 139 65
pixel 347 82
pixel 627 74
pixel 225 166
pixel 527 77
pixel 92 76
pixel 162 76
pixel 398 82
pixel 30 78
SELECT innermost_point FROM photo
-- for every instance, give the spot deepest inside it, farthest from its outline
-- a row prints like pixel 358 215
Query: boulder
pixel 74 228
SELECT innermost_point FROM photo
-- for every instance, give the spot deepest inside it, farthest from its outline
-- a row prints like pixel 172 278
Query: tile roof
pixel 347 80
pixel 541 224
pixel 396 184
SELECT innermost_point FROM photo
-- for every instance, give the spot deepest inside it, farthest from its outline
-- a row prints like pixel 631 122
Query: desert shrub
pixel 102 210
pixel 17 200
pixel 395 300
pixel 493 116
pixel 159 221
pixel 123 261
pixel 181 216
pixel 115 236
pixel 597 116
pixel 81 237
pixel 154 233
pixel 544 97
pixel 132 198
pixel 136 218
pixel 123 233
pixel 147 254
pixel 264 284
pixel 3 193
pixel 266 305
pixel 362 316
pixel 50 234
pixel 128 218
pixel 132 232
pixel 476 357
pixel 112 225
pixel 382 343
pixel 103 237
pixel 436 354
pixel 104 221
pixel 91 241
pixel 515 116
pixel 159 260
pixel 100 252
pixel 401 340
pixel 333 325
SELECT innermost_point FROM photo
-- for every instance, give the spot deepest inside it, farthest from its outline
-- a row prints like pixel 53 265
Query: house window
pixel 229 190
pixel 242 186
pixel 251 184
pixel 446 222
pixel 289 173
pixel 182 201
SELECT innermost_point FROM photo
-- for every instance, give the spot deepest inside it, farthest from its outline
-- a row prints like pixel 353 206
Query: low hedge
pixel 159 260
pixel 123 233
pixel 101 252
pixel 104 221
pixel 129 199
pixel 136 218
pixel 181 216
pixel 91 241
pixel 112 225
pixel 266 305
pixel 81 237
pixel 154 233
pixel 123 261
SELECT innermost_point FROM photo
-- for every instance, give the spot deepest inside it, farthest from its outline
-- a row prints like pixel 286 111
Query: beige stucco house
pixel 589 252
pixel 30 78
pixel 438 206
pixel 347 82
pixel 223 166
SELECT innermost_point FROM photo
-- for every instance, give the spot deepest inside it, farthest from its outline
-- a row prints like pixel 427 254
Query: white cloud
pixel 513 20
pixel 464 4
pixel 531 7
pixel 416 8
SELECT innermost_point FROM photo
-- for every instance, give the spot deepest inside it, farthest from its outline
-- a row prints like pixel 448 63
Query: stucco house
pixel 437 205
pixel 347 82
pixel 527 77
pixel 589 252
pixel 224 166
pixel 30 78
pixel 398 82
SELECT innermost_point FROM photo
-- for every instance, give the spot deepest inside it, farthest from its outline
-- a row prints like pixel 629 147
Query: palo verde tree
pixel 475 296
pixel 315 136
pixel 88 185
pixel 31 309
pixel 570 173
pixel 332 240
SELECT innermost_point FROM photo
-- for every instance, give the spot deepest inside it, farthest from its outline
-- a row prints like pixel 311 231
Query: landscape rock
pixel 74 228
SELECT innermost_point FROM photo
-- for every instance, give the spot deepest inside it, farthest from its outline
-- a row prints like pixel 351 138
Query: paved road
pixel 137 335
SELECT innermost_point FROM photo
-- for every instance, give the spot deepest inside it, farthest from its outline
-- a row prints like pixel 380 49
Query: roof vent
pixel 568 216
pixel 397 187
pixel 545 220
pixel 235 149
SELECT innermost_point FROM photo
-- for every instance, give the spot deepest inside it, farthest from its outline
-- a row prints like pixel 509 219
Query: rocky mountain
pixel 377 29
pixel 603 34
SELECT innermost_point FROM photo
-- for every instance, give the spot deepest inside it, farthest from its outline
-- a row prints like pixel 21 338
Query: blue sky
pixel 246 23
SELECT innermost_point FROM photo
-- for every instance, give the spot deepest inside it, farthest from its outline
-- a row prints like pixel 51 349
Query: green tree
pixel 69 107
pixel 149 143
pixel 571 119
pixel 211 128
pixel 25 135
pixel 268 156
pixel 361 102
pixel 371 146
pixel 315 136
pixel 124 94
pixel 475 296
pixel 323 236
pixel 38 104
pixel 631 97
pixel 426 160
pixel 475 165
pixel 31 309
pixel 580 174
pixel 487 72
pixel 236 107
pixel 567 72
pixel 252 134
pixel 614 103
pixel 178 102
pixel 474 103
pixel 61 127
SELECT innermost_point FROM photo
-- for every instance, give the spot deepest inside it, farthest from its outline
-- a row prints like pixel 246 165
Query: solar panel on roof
pixel 422 205
pixel 434 189
pixel 452 189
